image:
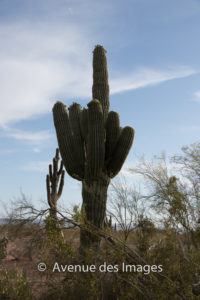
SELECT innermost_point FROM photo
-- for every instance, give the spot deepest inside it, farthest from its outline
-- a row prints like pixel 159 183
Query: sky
pixel 46 49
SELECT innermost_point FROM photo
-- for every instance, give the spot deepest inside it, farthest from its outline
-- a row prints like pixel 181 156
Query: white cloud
pixel 40 65
pixel 36 150
pixel 147 77
pixel 28 136
pixel 7 151
pixel 36 166
pixel 125 175
pixel 189 128
pixel 197 96
pixel 48 62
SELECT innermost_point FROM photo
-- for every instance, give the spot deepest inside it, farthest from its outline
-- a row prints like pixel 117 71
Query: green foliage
pixel 53 245
pixel 175 248
pixel 145 230
pixel 174 282
pixel 52 227
pixel 13 285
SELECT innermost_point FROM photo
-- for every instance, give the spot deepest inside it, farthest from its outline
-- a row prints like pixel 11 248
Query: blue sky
pixel 46 55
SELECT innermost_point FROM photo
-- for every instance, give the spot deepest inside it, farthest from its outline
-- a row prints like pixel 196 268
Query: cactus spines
pixel 93 146
pixel 53 179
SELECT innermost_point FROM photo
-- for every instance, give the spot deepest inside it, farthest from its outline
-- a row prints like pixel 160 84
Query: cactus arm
pixel 96 147
pixel 55 165
pixel 57 154
pixel 48 190
pixel 100 88
pixel 50 172
pixel 84 124
pixel 112 133
pixel 121 151
pixel 61 183
pixel 61 168
pixel 55 175
pixel 79 153
pixel 65 140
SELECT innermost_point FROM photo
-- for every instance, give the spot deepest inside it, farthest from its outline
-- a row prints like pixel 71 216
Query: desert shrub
pixel 52 246
pixel 13 285
pixel 174 246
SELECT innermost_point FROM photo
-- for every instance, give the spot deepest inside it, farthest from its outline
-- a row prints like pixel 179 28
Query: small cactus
pixel 3 246
pixel 54 184
pixel 108 222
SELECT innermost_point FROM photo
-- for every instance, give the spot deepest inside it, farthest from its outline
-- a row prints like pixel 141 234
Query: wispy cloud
pixel 44 63
pixel 147 77
pixel 29 136
pixel 39 66
pixel 130 177
pixel 7 151
pixel 189 128
pixel 36 150
pixel 196 96
pixel 36 166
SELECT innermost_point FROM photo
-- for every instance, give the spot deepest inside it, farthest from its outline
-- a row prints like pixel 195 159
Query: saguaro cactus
pixel 3 246
pixel 93 146
pixel 56 176
pixel 108 222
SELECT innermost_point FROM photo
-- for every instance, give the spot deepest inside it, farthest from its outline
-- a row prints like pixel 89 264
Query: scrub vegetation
pixel 135 242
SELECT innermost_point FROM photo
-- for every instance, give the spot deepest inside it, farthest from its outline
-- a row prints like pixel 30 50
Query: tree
pixel 173 189
pixel 125 206
pixel 189 165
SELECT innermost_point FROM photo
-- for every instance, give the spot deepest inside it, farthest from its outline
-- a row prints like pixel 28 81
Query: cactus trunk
pixel 53 213
pixel 94 196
